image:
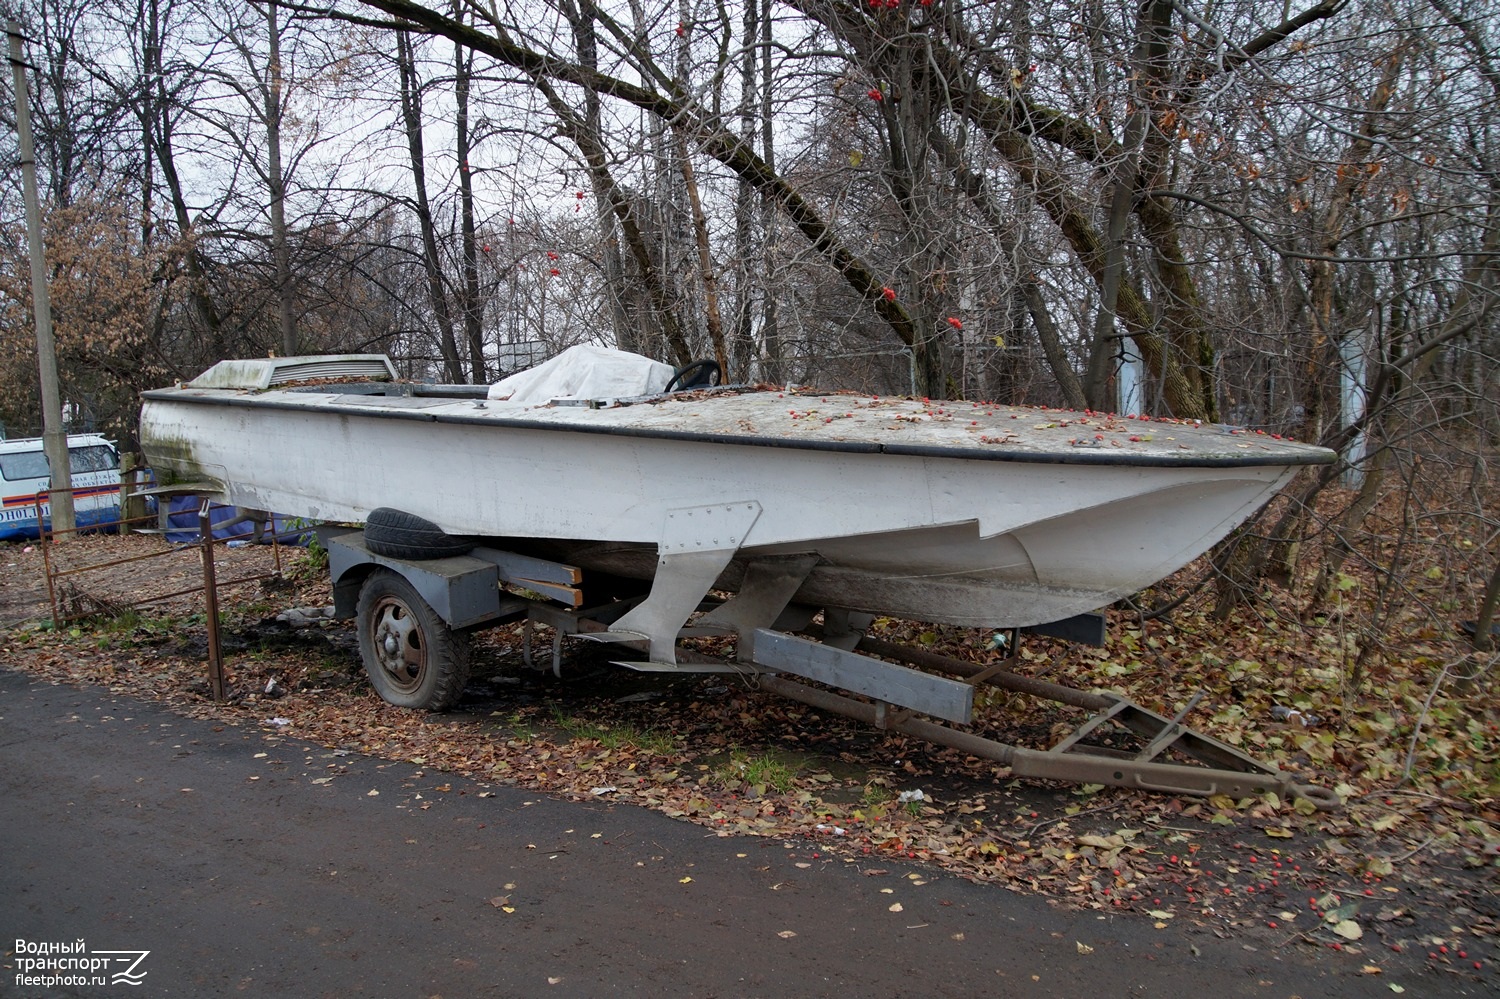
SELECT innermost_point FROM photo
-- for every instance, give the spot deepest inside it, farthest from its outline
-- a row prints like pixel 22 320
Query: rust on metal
pixel 211 603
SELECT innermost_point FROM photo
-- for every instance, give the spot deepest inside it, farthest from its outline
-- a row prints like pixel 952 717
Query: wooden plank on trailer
pixel 525 570
pixel 569 595
pixel 951 700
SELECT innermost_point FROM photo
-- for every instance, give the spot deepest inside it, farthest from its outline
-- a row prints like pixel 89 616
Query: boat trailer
pixel 414 618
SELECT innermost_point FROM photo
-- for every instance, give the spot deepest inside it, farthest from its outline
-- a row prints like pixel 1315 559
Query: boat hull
pixel 943 536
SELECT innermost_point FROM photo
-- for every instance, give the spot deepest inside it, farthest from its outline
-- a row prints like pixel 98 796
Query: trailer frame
pixel 822 657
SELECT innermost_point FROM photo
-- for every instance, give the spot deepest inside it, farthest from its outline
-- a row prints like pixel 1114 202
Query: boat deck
pixel 836 421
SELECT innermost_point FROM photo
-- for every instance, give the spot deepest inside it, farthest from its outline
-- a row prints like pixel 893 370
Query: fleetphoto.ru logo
pixel 48 964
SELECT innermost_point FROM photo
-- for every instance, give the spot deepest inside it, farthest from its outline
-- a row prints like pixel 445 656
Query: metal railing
pixel 209 587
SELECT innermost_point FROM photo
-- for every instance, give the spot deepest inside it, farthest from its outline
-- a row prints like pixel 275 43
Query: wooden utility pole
pixel 54 436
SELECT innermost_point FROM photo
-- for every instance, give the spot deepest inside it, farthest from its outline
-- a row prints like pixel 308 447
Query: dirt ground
pixel 716 752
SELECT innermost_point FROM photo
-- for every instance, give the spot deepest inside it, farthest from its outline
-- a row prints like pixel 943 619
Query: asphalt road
pixel 256 866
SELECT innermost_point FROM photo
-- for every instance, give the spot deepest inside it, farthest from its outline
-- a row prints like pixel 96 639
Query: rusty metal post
pixel 41 539
pixel 211 604
pixel 131 507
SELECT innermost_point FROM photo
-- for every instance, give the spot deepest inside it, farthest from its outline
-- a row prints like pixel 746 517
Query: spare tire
pixel 398 534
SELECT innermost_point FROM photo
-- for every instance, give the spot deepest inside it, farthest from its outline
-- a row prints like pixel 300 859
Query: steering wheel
pixel 703 373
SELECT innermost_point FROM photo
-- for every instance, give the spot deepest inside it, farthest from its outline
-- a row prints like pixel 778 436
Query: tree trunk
pixel 1052 348
pixel 411 114
pixel 470 305
pixel 276 179
pixel 770 318
pixel 743 344
pixel 626 335
pixel 1351 174
pixel 1484 641
pixel 705 262
pixel 1154 21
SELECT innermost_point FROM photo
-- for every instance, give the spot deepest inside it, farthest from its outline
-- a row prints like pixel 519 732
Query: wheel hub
pixel 398 643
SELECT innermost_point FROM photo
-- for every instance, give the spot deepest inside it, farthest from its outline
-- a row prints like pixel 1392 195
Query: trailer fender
pixel 462 590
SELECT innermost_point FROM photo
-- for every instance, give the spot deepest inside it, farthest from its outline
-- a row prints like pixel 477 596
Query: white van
pixel 24 473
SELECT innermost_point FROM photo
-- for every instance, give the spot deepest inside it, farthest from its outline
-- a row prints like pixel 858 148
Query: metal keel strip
pixel 931 695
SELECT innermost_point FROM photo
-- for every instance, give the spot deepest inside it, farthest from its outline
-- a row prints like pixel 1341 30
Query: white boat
pixel 621 511
pixel 957 512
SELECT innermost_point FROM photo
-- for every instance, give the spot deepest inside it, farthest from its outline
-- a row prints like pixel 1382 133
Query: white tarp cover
pixel 584 372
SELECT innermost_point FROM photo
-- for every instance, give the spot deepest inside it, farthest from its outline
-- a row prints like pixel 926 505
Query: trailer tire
pixel 412 657
pixel 398 534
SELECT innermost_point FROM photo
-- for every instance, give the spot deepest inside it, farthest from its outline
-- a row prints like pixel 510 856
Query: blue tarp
pixel 228 522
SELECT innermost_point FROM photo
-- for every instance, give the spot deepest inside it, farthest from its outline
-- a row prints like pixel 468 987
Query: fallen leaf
pixel 787 934
pixel 684 881
pixel 1084 948
pixel 896 907
pixel 1371 969
pixel 1348 929
pixel 372 793
pixel 1101 842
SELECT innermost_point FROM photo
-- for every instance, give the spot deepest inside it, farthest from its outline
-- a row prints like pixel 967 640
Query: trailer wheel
pixel 413 659
pixel 398 534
